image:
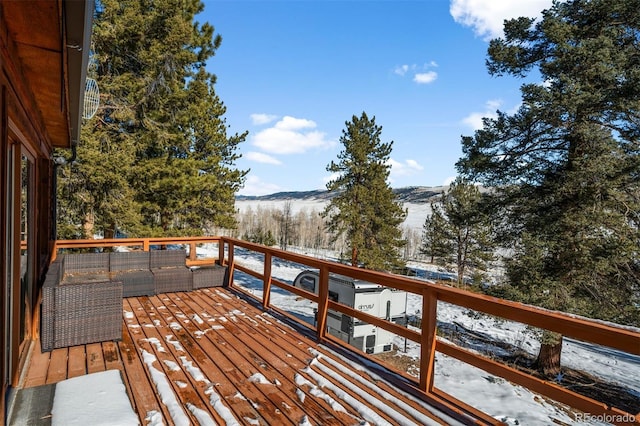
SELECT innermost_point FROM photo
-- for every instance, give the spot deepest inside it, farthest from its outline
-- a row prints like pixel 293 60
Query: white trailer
pixel 373 299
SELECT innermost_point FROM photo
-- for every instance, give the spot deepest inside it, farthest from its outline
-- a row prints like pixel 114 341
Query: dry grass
pixel 400 361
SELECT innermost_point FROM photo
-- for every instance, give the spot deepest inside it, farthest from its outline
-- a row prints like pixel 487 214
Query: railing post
pixel 232 263
pixel 145 244
pixel 428 339
pixel 266 289
pixel 221 252
pixel 192 251
pixel 55 251
pixel 323 302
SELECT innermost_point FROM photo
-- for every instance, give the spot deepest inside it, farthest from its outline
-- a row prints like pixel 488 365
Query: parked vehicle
pixel 373 299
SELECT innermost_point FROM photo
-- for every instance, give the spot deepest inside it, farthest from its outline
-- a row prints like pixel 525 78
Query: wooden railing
pixel 620 338
pixel 145 244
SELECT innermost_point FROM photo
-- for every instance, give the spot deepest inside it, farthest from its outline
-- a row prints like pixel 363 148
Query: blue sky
pixel 293 72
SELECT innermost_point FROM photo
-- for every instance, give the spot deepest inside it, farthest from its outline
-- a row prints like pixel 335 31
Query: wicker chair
pixel 47 323
pixel 81 307
pixel 87 312
pixel 170 272
pixel 132 268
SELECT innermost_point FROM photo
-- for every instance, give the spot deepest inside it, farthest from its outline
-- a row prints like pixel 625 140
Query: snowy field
pixel 511 403
pixel 416 212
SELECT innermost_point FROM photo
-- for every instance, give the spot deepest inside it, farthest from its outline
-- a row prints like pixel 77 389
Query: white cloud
pixel 421 75
pixel 260 119
pixel 401 70
pixel 326 179
pixel 255 186
pixel 292 123
pixel 260 157
pixel 414 165
pixel 486 17
pixel 291 135
pixel 474 120
pixel 425 77
pixel 449 180
pixel 409 167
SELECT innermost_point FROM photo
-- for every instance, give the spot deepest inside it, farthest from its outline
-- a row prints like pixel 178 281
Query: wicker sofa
pixel 82 293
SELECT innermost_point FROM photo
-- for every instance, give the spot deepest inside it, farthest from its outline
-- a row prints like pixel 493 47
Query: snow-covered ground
pixel 416 212
pixel 511 403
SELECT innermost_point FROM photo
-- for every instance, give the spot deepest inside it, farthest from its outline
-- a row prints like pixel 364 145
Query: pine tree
pixel 458 231
pixel 364 208
pixel 158 144
pixel 566 165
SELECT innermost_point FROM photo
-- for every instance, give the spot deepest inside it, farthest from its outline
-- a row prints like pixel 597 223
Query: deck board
pixel 77 365
pixel 95 358
pixel 57 366
pixel 111 355
pixel 223 356
pixel 38 367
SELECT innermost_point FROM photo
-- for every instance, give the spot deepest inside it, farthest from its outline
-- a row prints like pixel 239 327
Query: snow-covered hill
pixel 413 194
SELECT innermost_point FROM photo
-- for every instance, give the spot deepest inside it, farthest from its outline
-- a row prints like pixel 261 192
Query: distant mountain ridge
pixel 409 194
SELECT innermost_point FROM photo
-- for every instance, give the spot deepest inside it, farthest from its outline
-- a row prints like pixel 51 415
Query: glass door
pixel 19 259
pixel 7 225
pixel 27 287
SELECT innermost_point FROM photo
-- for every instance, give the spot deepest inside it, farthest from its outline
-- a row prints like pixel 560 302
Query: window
pixel 371 343
pixel 308 284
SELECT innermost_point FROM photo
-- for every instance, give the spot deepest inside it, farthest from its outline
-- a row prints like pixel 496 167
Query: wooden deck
pixel 211 354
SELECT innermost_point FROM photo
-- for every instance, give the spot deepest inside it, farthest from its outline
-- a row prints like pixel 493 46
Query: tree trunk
pixel 110 232
pixel 89 221
pixel 548 362
pixel 354 256
pixel 461 274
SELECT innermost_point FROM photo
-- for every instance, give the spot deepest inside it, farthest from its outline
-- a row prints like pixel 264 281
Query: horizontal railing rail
pixel 624 339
